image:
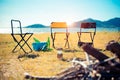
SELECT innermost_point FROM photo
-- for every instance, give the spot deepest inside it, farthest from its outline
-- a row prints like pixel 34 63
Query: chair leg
pixel 53 44
pixel 67 43
pixel 18 44
pixel 14 49
pixel 80 43
pixel 79 36
pixel 25 42
pixel 21 47
pixel 92 38
pixel 53 39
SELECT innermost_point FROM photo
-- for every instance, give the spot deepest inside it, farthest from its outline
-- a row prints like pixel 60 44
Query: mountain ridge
pixel 113 22
pixel 36 26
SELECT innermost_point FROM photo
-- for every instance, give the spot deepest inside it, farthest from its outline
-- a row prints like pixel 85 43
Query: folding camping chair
pixel 58 25
pixel 89 28
pixel 23 37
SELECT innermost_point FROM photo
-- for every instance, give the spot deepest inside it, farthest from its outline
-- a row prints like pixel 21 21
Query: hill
pixel 36 26
pixel 115 22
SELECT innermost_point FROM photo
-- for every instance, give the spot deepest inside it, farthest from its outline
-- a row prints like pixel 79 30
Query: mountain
pixel 115 22
pixel 36 26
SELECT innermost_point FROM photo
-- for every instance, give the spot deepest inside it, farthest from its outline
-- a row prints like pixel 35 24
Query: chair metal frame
pixel 87 26
pixel 61 25
pixel 22 42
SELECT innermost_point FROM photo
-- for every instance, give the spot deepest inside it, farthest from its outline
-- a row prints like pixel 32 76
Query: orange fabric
pixel 58 25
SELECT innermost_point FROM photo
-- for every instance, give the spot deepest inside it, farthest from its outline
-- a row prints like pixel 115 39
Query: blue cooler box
pixel 37 46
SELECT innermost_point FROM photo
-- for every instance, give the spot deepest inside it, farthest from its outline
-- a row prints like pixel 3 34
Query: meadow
pixel 46 64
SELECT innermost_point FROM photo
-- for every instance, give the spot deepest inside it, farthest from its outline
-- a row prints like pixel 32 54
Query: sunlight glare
pixel 69 22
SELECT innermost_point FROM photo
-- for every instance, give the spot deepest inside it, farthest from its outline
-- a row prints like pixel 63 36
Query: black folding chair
pixel 59 25
pixel 19 37
pixel 87 28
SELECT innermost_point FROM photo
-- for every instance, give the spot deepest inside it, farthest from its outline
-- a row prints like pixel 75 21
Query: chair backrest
pixel 88 25
pixel 59 25
pixel 16 26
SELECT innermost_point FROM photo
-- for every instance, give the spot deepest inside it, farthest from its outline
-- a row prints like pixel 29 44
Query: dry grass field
pixel 47 63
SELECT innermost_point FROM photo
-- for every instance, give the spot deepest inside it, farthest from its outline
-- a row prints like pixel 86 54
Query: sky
pixel 46 11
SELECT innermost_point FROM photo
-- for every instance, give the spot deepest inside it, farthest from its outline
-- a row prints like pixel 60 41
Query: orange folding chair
pixel 19 37
pixel 88 28
pixel 58 25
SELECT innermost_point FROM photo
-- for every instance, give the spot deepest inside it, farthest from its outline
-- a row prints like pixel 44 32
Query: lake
pixel 44 30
